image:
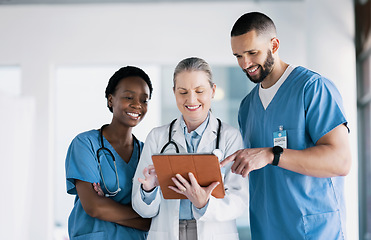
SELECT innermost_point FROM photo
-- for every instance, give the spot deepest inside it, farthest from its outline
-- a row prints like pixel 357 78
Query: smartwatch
pixel 277 151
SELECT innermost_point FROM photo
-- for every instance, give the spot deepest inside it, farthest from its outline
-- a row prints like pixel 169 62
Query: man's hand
pixel 249 159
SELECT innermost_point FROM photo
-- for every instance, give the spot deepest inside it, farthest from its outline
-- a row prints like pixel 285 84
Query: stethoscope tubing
pixel 110 193
pixel 171 142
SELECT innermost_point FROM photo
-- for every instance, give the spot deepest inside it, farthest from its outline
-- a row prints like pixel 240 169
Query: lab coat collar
pixel 178 136
pixel 208 136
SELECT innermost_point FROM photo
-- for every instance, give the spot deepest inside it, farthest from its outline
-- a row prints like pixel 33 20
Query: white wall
pixel 314 33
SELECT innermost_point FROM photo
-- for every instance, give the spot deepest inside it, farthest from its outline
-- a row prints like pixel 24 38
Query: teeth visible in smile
pixel 134 114
pixel 253 70
pixel 193 107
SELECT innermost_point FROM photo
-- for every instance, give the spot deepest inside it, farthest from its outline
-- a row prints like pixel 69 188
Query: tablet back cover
pixel 205 167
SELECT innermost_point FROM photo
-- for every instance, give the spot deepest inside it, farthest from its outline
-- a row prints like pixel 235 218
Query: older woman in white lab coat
pixel 194 131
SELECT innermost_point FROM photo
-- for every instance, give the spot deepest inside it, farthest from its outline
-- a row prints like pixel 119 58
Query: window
pixel 363 46
pixel 364 115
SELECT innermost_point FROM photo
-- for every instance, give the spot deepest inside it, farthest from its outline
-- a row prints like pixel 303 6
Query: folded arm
pixel 107 209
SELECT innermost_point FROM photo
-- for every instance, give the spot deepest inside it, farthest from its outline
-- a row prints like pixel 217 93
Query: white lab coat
pixel 219 219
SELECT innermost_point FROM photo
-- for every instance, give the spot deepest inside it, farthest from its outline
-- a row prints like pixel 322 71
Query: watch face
pixel 277 150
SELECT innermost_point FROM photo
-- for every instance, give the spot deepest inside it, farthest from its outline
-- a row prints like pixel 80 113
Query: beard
pixel 265 70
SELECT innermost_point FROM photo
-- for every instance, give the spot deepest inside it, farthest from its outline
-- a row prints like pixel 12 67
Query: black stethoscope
pixel 170 141
pixel 103 148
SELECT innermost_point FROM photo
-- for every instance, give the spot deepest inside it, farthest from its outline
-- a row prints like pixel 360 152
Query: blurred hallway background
pixel 56 57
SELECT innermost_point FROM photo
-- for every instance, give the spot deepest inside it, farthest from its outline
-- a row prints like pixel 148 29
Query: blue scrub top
pixel 81 164
pixel 285 204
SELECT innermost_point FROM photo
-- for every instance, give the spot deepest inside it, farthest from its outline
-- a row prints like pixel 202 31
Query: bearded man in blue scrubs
pixel 296 141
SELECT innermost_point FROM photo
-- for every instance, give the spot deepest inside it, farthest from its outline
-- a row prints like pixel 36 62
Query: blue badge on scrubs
pixel 280 137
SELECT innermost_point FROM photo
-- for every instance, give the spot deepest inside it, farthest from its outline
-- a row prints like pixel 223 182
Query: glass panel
pixel 169 108
pixel 367 167
pixel 233 85
pixel 366 66
pixel 365 149
pixel 10 80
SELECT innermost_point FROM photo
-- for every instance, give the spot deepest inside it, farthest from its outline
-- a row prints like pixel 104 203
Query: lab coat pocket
pixel 227 236
pixel 91 236
pixel 323 226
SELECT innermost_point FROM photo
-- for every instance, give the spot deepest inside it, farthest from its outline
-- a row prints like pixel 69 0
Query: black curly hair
pixel 124 72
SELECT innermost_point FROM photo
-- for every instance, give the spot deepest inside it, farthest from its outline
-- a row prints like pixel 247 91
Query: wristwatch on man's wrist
pixel 277 151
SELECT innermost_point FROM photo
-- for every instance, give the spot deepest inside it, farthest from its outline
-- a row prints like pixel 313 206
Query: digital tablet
pixel 205 168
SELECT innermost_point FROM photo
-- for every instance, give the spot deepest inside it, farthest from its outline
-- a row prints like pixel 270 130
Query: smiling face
pixel 129 101
pixel 254 55
pixel 193 95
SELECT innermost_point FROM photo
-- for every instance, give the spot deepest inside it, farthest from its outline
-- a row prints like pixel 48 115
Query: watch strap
pixel 276 159
pixel 277 151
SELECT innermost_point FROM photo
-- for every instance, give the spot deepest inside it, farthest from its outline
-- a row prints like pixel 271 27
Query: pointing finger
pixel 228 159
